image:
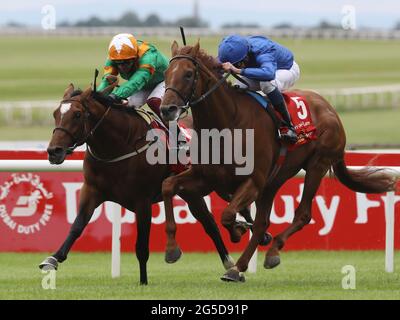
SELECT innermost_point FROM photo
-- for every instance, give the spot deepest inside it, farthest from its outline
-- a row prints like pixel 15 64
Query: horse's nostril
pixel 172 109
pixel 55 150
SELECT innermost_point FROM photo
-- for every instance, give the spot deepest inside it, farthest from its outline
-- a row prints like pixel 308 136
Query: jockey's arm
pixel 109 69
pixel 135 83
pixel 266 70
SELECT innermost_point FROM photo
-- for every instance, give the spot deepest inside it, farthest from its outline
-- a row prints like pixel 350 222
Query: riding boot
pixel 290 135
pixel 279 104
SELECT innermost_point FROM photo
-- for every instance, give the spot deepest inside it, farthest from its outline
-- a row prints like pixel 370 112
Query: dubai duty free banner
pixel 38 208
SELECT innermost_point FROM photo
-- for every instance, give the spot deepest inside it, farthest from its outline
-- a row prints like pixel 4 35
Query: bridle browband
pixel 188 101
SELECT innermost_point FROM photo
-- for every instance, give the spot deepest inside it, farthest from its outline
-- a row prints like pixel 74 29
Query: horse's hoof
pixel 228 262
pixel 266 240
pixel 233 275
pixel 271 262
pixel 235 236
pixel 50 263
pixel 172 256
pixel 238 229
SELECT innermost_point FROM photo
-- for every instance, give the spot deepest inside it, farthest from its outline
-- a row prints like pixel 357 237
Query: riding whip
pixel 183 35
pixel 96 73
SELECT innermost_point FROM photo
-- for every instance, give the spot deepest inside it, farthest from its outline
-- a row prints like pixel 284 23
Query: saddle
pixel 154 121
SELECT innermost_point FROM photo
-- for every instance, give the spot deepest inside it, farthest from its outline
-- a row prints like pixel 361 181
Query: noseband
pixel 188 101
pixel 87 133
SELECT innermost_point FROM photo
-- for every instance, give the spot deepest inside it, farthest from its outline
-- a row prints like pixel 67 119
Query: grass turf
pixel 302 275
pixel 41 67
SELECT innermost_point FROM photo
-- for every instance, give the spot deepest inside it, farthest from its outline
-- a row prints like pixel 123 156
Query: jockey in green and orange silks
pixel 142 65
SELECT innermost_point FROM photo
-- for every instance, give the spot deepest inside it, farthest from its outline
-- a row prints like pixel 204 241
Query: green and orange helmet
pixel 123 46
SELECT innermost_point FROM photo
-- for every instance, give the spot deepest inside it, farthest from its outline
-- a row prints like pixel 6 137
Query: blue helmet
pixel 233 49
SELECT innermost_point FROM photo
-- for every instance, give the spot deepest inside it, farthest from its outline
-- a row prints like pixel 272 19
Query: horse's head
pixel 184 79
pixel 71 119
pixel 76 119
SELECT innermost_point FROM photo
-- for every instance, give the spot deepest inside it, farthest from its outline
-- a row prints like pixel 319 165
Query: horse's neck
pixel 217 111
pixel 115 135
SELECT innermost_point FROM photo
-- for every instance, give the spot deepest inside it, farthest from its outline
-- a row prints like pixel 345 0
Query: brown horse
pixel 193 78
pixel 116 170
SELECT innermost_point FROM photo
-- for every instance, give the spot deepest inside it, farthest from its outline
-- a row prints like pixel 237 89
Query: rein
pixel 188 101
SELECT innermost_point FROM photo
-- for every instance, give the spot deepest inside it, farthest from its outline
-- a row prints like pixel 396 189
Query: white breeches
pixel 284 80
pixel 140 98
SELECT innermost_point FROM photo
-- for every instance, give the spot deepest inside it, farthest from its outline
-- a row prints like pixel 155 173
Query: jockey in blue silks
pixel 265 65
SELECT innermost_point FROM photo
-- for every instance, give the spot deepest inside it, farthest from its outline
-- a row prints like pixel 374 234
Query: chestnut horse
pixel 116 170
pixel 193 79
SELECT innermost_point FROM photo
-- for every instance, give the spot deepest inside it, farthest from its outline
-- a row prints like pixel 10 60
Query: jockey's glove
pixel 113 99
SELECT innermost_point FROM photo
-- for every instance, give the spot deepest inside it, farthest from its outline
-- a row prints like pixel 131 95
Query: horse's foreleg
pixel 200 211
pixel 242 198
pixel 263 205
pixel 89 200
pixel 316 170
pixel 143 217
pixel 245 213
pixel 170 187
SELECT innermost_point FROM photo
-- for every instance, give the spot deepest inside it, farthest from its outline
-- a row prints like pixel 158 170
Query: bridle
pixel 87 133
pixel 189 101
pixel 90 132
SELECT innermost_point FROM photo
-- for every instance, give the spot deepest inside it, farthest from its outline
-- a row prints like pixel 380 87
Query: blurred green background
pixel 40 68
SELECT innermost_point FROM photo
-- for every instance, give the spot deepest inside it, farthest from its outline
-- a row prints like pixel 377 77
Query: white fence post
pixel 252 268
pixel 389 217
pixel 116 241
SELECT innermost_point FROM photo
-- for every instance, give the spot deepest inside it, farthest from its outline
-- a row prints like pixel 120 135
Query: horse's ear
pixel 68 91
pixel 196 48
pixel 174 48
pixel 86 94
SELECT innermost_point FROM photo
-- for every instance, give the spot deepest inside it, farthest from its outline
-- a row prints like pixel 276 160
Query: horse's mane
pixel 76 92
pixel 104 100
pixel 210 62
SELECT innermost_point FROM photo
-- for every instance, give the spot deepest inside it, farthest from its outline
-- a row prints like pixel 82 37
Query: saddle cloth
pixel 154 121
pixel 300 114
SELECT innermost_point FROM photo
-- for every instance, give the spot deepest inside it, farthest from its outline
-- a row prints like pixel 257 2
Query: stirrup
pixel 181 145
pixel 289 136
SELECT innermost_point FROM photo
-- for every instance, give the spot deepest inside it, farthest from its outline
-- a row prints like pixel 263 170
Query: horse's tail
pixel 365 180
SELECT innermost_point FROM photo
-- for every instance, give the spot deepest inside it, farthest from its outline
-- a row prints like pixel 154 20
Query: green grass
pixel 41 67
pixel 29 133
pixel 302 275
pixel 372 126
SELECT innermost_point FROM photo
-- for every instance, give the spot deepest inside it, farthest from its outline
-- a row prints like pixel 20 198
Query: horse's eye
pixel 188 74
pixel 77 114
